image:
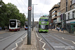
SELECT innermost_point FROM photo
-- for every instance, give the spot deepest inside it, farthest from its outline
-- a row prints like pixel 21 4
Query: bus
pixel 43 24
pixel 26 25
pixel 14 25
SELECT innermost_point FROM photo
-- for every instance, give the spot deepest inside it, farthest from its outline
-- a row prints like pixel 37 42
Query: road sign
pixel 29 8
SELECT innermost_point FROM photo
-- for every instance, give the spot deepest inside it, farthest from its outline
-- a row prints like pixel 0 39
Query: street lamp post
pixel 33 16
pixel 29 22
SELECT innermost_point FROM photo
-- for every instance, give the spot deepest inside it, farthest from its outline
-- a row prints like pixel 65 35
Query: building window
pixel 53 16
pixel 53 12
pixel 68 15
pixel 74 6
pixel 54 21
pixel 73 14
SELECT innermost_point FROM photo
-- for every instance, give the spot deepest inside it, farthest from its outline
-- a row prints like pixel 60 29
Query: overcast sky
pixel 42 7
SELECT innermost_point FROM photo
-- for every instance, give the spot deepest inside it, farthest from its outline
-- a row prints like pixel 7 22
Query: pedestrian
pixel 58 28
pixel 5 27
pixel 62 29
pixel 0 28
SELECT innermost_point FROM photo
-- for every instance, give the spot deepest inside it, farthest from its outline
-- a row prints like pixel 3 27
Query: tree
pixel 3 10
pixel 10 11
pixel 13 13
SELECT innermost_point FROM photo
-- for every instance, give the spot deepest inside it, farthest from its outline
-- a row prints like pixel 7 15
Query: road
pixel 47 41
pixel 8 39
pixel 56 41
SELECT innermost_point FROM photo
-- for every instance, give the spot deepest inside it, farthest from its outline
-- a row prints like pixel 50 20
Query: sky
pixel 41 7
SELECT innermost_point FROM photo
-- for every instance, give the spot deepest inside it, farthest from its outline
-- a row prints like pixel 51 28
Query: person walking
pixel 0 28
pixel 58 28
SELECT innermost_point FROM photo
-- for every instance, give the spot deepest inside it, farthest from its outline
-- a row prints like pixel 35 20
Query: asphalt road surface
pixel 57 41
pixel 8 40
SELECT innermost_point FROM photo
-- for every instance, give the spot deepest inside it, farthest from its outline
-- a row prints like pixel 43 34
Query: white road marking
pixel 73 42
pixel 65 39
pixel 41 41
pixel 62 38
pixel 19 42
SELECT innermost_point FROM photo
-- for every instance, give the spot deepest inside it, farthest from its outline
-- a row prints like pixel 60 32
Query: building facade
pixel 53 14
pixel 70 16
pixel 72 6
pixel 62 7
pixel 65 5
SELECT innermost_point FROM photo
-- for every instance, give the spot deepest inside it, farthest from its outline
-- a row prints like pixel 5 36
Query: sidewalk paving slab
pixel 33 45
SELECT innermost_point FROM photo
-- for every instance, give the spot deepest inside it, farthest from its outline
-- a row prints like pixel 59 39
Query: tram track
pixel 46 41
pixel 9 34
pixel 53 42
pixel 4 38
pixel 13 41
pixel 9 42
pixel 66 45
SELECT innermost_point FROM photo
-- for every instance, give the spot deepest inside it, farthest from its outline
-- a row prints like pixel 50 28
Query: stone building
pixel 65 5
pixel 53 14
pixel 62 7
pixel 72 6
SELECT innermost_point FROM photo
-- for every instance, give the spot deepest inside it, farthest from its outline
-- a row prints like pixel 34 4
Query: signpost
pixel 29 22
pixel 29 8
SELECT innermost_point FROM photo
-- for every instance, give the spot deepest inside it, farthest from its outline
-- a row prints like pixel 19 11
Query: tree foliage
pixel 10 11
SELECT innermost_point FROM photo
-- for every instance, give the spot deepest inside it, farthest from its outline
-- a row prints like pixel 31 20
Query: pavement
pixel 64 31
pixel 33 45
pixel 3 31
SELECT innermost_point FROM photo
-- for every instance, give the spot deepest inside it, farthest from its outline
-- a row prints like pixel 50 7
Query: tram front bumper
pixel 41 30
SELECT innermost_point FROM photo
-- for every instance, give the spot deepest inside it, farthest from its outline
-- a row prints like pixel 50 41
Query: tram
pixel 43 24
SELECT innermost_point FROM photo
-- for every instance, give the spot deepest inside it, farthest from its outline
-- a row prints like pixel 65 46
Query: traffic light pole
pixel 29 22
